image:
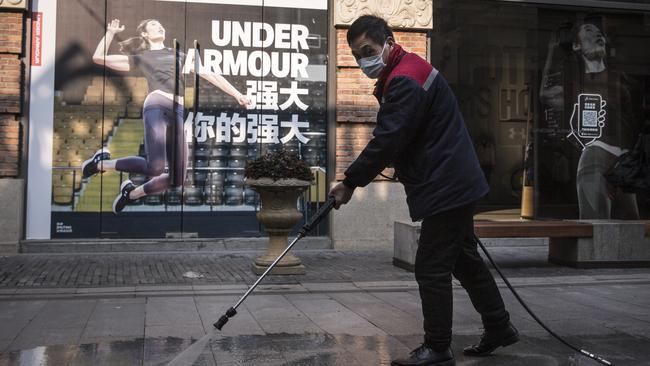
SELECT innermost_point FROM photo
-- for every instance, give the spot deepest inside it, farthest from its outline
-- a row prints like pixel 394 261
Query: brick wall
pixel 11 83
pixel 356 107
pixel 9 145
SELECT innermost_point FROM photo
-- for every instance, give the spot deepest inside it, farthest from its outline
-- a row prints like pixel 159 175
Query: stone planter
pixel 278 215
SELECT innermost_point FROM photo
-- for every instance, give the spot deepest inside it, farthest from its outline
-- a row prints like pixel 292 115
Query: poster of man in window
pixel 593 111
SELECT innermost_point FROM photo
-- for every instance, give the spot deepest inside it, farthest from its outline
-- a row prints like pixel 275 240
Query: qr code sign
pixel 589 118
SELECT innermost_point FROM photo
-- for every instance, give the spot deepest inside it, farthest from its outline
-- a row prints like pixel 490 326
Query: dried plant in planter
pixel 278 165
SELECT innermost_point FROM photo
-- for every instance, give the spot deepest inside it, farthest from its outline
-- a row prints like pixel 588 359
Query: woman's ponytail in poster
pixel 138 43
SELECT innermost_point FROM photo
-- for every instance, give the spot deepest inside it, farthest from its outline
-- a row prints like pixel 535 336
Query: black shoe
pixel 493 340
pixel 90 166
pixel 123 198
pixel 425 356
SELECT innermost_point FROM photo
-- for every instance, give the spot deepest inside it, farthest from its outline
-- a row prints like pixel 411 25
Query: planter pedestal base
pixel 289 265
pixel 279 215
pixel 290 270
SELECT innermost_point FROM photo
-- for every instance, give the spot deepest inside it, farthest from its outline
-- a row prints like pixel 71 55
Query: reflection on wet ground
pixel 322 349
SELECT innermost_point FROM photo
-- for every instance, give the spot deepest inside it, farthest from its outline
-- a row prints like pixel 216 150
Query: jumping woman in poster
pixel 147 52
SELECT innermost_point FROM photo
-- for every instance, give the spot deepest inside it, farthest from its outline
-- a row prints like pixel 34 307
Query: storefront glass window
pixel 553 96
pixel 262 88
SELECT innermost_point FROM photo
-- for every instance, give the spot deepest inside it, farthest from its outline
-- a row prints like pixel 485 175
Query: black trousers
pixel 447 247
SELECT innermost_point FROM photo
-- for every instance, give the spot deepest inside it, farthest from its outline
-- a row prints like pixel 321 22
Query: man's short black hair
pixel 373 26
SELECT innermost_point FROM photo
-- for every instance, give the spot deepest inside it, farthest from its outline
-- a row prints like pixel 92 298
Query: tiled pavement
pixel 133 269
pixel 352 308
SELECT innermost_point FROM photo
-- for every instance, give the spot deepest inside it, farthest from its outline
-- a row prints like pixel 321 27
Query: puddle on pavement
pixel 315 349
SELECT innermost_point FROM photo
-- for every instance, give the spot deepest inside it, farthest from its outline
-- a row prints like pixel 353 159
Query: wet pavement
pixel 303 349
pixel 328 328
pixel 354 317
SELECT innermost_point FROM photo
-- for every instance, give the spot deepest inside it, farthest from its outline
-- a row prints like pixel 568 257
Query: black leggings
pixel 158 116
pixel 447 247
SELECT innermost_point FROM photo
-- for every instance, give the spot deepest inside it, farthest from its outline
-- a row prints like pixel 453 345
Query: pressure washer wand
pixel 309 225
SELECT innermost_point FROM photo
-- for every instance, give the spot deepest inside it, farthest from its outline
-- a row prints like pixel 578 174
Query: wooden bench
pixel 572 243
pixel 533 229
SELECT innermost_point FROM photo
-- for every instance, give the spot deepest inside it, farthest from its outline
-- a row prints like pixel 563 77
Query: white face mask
pixel 372 65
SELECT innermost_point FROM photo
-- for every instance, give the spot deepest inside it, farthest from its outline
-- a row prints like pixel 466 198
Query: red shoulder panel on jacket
pixel 412 66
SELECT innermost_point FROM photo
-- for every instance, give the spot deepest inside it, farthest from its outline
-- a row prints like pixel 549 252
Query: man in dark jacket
pixel 421 132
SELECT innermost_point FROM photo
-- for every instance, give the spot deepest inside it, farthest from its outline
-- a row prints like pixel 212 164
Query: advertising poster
pixel 593 101
pixel 176 125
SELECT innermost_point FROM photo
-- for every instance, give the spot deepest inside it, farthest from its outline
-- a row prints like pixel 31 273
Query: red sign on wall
pixel 37 38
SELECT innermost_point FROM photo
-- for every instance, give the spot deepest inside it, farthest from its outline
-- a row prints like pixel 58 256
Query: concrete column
pixel 367 221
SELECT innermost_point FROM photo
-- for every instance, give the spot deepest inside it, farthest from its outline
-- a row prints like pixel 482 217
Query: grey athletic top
pixel 158 67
